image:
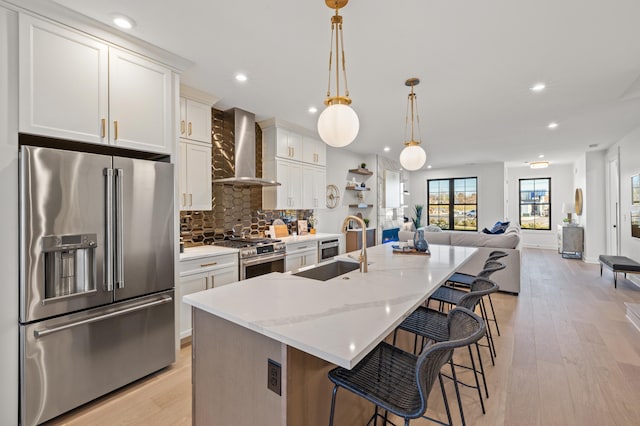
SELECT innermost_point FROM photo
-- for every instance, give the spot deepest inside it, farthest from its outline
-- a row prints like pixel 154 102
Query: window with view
pixel 453 203
pixel 535 203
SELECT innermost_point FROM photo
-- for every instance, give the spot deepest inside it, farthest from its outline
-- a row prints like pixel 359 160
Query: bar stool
pixel 460 279
pixel 431 324
pixel 400 382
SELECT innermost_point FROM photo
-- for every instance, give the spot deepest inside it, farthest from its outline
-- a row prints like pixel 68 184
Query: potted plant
pixel 417 221
pixel 366 222
pixel 363 165
pixel 313 221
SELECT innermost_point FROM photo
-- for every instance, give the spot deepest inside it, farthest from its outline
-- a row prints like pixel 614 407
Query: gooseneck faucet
pixel 363 253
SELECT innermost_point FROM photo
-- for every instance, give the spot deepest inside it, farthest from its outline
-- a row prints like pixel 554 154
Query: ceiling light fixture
pixel 552 125
pixel 123 22
pixel 241 77
pixel 538 87
pixel 338 125
pixel 387 149
pixel 539 164
pixel 412 156
pixel 312 110
pixel 541 156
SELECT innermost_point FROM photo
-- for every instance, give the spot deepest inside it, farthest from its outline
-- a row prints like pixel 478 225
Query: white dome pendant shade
pixel 338 125
pixel 413 157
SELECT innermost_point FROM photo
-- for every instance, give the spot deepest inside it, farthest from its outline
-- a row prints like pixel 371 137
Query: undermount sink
pixel 329 270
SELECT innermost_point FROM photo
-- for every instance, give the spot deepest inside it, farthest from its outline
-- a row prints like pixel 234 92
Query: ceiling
pixel 476 61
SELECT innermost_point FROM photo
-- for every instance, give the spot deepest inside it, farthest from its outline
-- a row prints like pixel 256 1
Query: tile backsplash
pixel 233 207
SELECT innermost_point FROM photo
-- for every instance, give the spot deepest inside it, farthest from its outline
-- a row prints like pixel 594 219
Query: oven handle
pixel 329 244
pixel 262 259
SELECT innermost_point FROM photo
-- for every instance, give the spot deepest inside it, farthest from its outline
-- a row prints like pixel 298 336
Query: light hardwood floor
pixel 567 356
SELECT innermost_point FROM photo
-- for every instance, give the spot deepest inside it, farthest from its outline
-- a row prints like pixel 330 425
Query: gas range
pixel 252 247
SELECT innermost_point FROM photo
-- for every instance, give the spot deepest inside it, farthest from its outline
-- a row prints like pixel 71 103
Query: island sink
pixel 327 271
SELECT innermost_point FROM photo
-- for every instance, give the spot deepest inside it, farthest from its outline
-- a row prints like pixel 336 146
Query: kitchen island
pixel 302 328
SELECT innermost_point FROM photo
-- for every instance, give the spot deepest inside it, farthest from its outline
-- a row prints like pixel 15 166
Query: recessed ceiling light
pixel 241 77
pixel 429 166
pixel 387 149
pixel 538 87
pixel 123 22
pixel 541 156
pixel 312 110
pixel 593 145
pixel 552 125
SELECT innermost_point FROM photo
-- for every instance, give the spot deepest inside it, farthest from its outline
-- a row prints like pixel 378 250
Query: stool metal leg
pixel 455 386
pixel 333 404
pixel 444 397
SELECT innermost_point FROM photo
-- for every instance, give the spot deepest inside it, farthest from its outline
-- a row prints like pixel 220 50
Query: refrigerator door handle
pixel 47 331
pixel 119 228
pixel 108 252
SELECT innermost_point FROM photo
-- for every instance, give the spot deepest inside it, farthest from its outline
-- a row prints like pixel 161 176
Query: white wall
pixel 594 196
pixel 339 161
pixel 629 148
pixel 490 188
pixel 9 215
pixel 562 191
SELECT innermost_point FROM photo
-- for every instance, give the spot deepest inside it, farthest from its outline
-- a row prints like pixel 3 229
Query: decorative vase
pixel 419 242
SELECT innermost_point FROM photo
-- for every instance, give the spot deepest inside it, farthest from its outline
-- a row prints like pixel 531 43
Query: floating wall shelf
pixel 357 188
pixel 360 206
pixel 364 172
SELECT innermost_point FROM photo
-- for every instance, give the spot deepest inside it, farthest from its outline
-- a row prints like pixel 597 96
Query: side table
pixel 571 241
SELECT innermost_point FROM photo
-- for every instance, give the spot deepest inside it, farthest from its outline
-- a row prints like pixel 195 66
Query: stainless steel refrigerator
pixel 97 276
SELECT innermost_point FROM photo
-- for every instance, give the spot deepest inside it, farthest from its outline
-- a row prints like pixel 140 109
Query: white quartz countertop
pixel 205 251
pixel 291 239
pixel 339 320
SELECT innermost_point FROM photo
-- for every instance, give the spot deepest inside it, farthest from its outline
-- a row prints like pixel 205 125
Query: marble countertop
pixel 205 251
pixel 342 319
pixel 291 239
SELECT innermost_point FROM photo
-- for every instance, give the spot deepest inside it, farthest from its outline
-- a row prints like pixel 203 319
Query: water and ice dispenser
pixel 69 264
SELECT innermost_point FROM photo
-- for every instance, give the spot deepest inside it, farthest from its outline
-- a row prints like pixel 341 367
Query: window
pixel 535 203
pixel 453 203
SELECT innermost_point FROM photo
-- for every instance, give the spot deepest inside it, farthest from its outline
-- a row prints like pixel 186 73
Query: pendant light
pixel 338 124
pixel 412 156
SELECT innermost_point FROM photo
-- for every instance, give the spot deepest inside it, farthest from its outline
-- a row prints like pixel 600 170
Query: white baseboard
pixel 538 246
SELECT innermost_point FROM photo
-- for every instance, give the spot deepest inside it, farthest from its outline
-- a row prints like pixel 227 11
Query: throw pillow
pixel 498 228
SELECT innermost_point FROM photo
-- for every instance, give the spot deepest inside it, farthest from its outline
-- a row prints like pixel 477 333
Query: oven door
pixel 261 265
pixel 328 250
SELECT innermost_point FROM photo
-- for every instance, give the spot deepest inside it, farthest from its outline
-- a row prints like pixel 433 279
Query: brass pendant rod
pixel 330 59
pixel 338 33
pixel 344 66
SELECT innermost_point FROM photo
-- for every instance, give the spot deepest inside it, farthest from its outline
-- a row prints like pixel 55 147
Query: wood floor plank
pixel 567 356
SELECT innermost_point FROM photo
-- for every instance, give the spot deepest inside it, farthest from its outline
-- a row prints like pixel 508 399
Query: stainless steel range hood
pixel 244 134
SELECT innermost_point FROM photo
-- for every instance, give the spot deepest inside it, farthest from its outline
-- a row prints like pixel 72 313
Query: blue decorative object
pixel 419 242
pixel 498 228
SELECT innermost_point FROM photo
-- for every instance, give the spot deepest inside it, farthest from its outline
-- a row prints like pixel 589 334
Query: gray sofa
pixel 509 278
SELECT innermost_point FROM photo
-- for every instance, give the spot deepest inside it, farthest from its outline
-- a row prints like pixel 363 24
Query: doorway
pixel 613 206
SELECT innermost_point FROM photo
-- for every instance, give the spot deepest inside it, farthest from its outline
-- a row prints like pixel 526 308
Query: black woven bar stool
pixel 431 324
pixel 450 295
pixel 460 279
pixel 400 382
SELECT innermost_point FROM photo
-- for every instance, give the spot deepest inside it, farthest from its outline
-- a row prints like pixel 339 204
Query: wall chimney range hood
pixel 244 145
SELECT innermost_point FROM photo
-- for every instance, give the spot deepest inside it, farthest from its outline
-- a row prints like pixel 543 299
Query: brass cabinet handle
pixel 103 127
pixel 182 127
pixel 204 265
pixel 184 199
pixel 115 128
pixel 190 200
pixel 190 129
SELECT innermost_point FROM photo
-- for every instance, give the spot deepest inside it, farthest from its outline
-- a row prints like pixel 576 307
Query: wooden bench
pixel 619 264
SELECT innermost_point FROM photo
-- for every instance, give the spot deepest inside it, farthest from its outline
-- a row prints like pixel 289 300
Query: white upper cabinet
pixel 195 176
pixel 288 144
pixel 63 82
pixel 139 102
pixel 195 121
pixel 73 86
pixel 314 151
pixel 314 181
pixel 289 194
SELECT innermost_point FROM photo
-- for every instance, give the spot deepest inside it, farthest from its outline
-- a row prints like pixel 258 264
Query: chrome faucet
pixel 363 254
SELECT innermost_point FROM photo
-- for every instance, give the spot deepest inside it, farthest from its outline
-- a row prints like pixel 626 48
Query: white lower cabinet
pixel 301 254
pixel 202 274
